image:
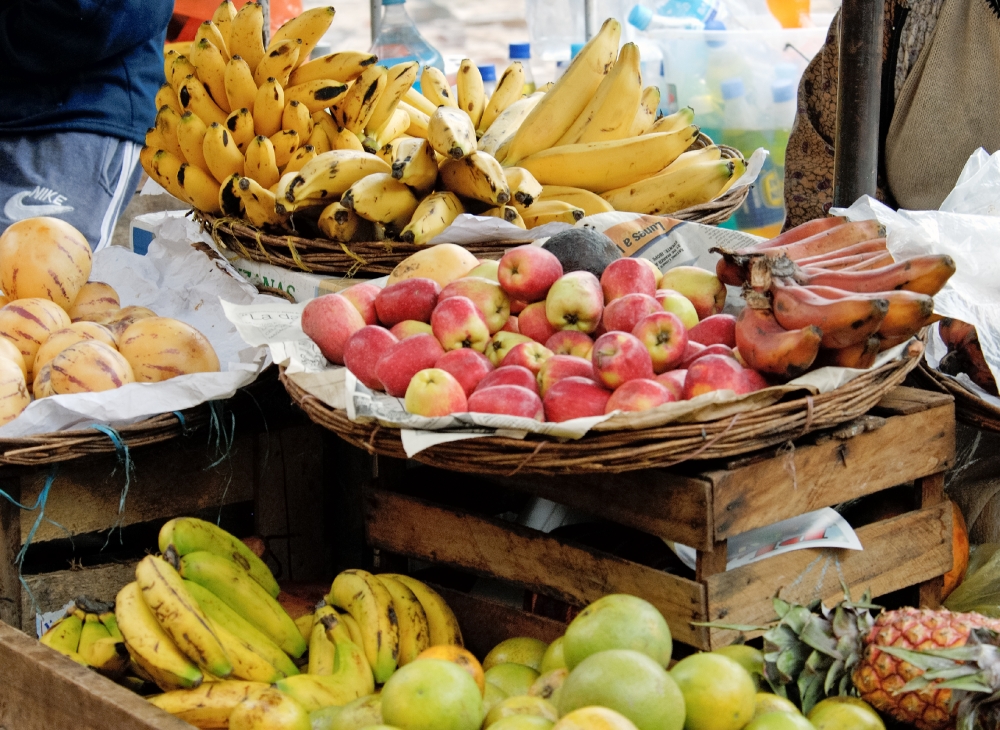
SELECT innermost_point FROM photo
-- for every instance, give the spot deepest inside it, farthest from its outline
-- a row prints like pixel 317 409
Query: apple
pixel 739 357
pixel 691 356
pixel 434 392
pixel 714 372
pixel 558 367
pixel 508 400
pixel 571 342
pixel 533 323
pixel 363 350
pixel 718 329
pixel 509 375
pixel 639 395
pixel 702 288
pixel 467 365
pixel 456 322
pixel 486 269
pixel 517 306
pixel 673 380
pixel 527 272
pixel 691 351
pixel 575 302
pixel 528 354
pixel 657 274
pixel 492 301
pixel 624 313
pixel 362 296
pixel 575 397
pixel 512 325
pixel 619 357
pixel 407 299
pixel 627 276
pixel 676 303
pixel 664 336
pixel 329 321
pixel 404 360
pixel 754 380
pixel 410 327
pixel 501 343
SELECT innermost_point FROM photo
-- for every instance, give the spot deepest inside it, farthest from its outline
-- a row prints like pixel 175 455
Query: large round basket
pixel 49 448
pixel 969 407
pixel 627 450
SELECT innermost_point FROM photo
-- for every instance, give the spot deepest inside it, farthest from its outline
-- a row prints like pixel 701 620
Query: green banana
pixel 351 678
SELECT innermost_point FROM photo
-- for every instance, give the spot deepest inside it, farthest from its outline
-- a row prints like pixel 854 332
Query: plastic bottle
pixel 790 13
pixel 522 52
pixel 701 10
pixel 489 74
pixel 398 40
pixel 783 111
pixel 645 19
pixel 562 65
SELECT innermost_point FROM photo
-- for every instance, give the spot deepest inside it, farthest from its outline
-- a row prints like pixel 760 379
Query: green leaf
pixel 797 617
pixel 816 633
pixel 835 672
pixel 781 607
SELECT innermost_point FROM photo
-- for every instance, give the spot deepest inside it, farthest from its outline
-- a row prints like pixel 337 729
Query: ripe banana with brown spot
pixel 307 28
pixel 342 67
pixel 211 67
pixel 166 96
pixel 199 188
pixel 591 203
pixel 211 704
pixel 278 62
pixel 381 199
pixel 610 113
pixel 284 144
pixel 398 124
pixel 524 188
pixel 508 213
pixel 353 110
pixel 209 31
pixel 550 211
pixel 195 98
pixel 434 214
pixel 241 91
pixel 506 124
pixel 180 68
pixel 296 116
pixel 166 123
pixel 223 19
pixel 268 108
pixel 222 156
pixel 414 631
pixel 329 175
pixel 418 121
pixel 399 80
pixel 471 92
pixel 163 167
pixel 509 89
pixel 415 164
pixel 261 163
pixel 435 87
pixel 230 202
pixel 362 595
pixel 240 126
pixel 451 133
pixel 443 624
pixel 672 122
pixel 477 176
pixel 246 38
pixel 645 115
pixel 299 158
pixel 339 223
pixel 673 191
pixel 191 133
pixel 319 141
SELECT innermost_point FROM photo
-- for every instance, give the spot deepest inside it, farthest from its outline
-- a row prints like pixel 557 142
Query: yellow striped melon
pixel 46 258
pixel 89 367
pixel 160 348
pixel 27 323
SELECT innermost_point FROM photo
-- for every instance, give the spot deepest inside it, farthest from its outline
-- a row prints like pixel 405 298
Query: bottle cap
pixel 732 88
pixel 782 91
pixel 488 72
pixel 520 50
pixel 640 16
pixel 393 2
pixel 574 49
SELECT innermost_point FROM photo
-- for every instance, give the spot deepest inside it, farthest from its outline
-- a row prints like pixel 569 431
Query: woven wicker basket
pixel 622 451
pixel 969 407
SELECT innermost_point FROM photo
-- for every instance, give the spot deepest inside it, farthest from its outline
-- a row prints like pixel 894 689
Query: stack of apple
pixel 520 337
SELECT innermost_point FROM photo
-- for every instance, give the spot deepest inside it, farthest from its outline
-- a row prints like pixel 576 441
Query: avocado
pixel 583 249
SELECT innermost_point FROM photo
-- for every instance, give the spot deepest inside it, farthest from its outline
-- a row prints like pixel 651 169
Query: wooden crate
pixel 912 439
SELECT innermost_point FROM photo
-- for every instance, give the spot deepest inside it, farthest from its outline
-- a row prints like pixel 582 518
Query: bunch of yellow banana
pixel 88 634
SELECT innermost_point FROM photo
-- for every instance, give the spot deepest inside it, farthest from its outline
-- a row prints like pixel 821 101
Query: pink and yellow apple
pixel 575 302
pixel 509 375
pixel 508 400
pixel 407 299
pixel 535 324
pixel 714 372
pixel 639 395
pixel 329 321
pixel 528 354
pixel 486 269
pixel 701 287
pixel 456 323
pixel 719 329
pixel 363 350
pixel 575 397
pixel 410 327
pixel 657 274
pixel 691 355
pixel 627 276
pixel 676 303
pixel 664 337
pixel 362 296
pixel 527 272
pixel 405 359
pixel 560 367
pixel 517 306
pixel 467 365
pixel 754 380
pixel 619 357
pixel 486 294
pixel 501 343
pixel 624 313
pixel 434 392
pixel 571 342
pixel 673 380
pixel 512 325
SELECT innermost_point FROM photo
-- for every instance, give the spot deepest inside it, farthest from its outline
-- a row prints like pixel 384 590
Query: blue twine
pixel 224 440
pixel 185 431
pixel 125 459
pixel 43 498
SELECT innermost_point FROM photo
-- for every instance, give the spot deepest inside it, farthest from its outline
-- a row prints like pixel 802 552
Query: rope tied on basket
pixel 358 261
pixel 705 447
pixel 528 458
pixel 40 502
pixel 124 459
pixel 223 444
pixel 295 254
pixel 185 431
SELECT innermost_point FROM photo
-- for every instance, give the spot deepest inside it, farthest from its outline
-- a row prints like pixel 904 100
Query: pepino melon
pixel 46 258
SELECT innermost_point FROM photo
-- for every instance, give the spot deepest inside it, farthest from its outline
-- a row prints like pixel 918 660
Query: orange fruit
pixel 461 657
pixel 960 551
pixel 719 694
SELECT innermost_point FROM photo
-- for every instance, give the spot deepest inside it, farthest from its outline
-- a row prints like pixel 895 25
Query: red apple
pixel 407 299
pixel 528 354
pixel 558 367
pixel 571 342
pixel 501 343
pixel 619 357
pixel 627 276
pixel 691 352
pixel 754 380
pixel 362 296
pixel 410 327
pixel 676 303
pixel 508 400
pixel 533 323
pixel 509 375
pixel 575 302
pixel 434 392
pixel 517 306
pixel 486 294
pixel 657 274
pixel 329 321
pixel 714 372
pixel 512 325
pixel 663 335
pixel 639 395
pixel 700 286
pixel 405 359
pixel 363 350
pixel 527 272
pixel 457 322
pixel 624 313
pixel 468 367
pixel 692 356
pixel 575 397
pixel 486 268
pixel 718 329
pixel 673 380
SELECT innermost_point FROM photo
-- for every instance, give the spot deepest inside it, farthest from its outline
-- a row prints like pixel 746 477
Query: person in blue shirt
pixel 77 85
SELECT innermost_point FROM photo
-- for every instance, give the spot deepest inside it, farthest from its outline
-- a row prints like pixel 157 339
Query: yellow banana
pixel 673 191
pixel 434 214
pixel 341 67
pixel 671 123
pixel 399 79
pixel 451 133
pixel 247 662
pixel 418 101
pixel 509 89
pixel 397 125
pixel 319 141
pixel 149 645
pixel 259 203
pixel 601 166
pixel 354 108
pixel 166 96
pixel 268 107
pixel 64 635
pixel 506 124
pixel 414 164
pixel 241 91
pixel 367 600
pixel 284 143
pixel 100 650
pixel 246 38
pixel 381 199
pixel 443 624
pixel 211 704
pixel 199 188
pixel 418 120
pixel 739 167
pixel 168 63
pixel 609 114
pixel 524 188
pixel 223 19
pixel 180 69
pixel 307 28
pixel 296 116
pixel 245 596
pixel 705 154
pixel 162 167
pixel 550 211
pixel 414 632
pixel 299 158
pixel 471 93
pixel 645 115
pixel 211 67
pixel 591 203
pixel 330 618
pixel 435 87
pixel 195 98
pixel 305 624
pixel 191 138
pixel 222 156
pixel 209 31
pixel 339 223
pixel 278 62
pixel 329 175
pixel 230 202
pixel 508 213
pixel 560 106
pixel 322 651
pixel 317 94
pixel 477 176
pixel 351 679
pixel 166 123
pixel 261 163
pixel 240 126
pixel 353 627
pixel 388 151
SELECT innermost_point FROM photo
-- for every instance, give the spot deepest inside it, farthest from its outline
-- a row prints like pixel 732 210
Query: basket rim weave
pixel 969 407
pixel 630 450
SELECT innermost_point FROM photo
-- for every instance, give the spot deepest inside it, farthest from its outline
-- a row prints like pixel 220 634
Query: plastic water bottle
pixel 489 74
pixel 644 18
pixel 783 111
pixel 522 52
pixel 398 40
pixel 702 10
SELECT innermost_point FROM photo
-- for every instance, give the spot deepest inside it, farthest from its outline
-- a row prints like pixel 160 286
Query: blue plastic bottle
pixel 521 52
pixel 489 74
pixel 398 40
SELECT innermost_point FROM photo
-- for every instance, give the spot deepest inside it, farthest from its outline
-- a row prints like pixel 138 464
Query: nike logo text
pixel 51 204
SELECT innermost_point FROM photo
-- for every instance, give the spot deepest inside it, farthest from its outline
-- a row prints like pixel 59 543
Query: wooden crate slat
pixel 898 552
pixel 810 477
pixel 528 557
